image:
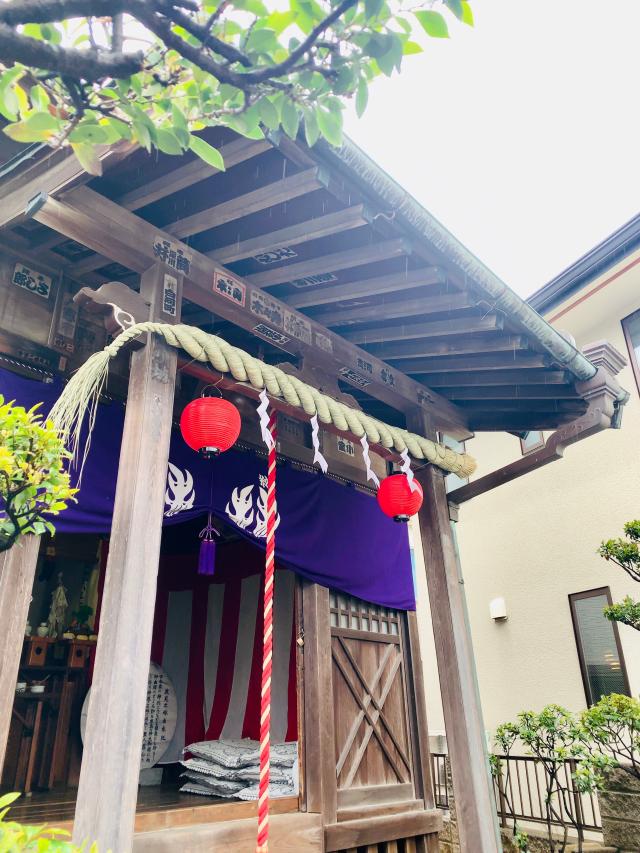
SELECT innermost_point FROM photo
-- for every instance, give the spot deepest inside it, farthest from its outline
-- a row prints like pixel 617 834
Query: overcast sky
pixel 522 134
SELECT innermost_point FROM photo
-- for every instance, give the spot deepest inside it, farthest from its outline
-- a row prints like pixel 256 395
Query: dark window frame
pixel 635 366
pixel 580 596
pixel 532 449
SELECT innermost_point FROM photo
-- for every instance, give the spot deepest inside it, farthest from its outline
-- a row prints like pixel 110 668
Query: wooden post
pixel 466 741
pixel 319 739
pixel 107 793
pixel 17 571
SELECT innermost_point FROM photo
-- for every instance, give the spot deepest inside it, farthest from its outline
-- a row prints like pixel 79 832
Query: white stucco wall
pixel 533 541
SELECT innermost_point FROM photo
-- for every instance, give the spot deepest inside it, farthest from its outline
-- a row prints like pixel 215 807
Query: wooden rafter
pixel 251 202
pixel 293 235
pixel 510 392
pixel 238 151
pixel 104 226
pixel 492 342
pixel 431 328
pixel 441 304
pixel 476 361
pixel 391 283
pixel 506 376
pixel 369 254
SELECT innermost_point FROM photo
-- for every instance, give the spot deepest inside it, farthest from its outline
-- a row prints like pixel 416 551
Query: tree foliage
pixel 626 554
pixel 34 483
pixel 73 73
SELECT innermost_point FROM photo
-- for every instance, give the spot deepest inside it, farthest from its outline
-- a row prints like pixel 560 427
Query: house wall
pixel 533 541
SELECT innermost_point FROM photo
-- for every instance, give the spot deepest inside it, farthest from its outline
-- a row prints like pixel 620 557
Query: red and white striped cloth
pixel 208 639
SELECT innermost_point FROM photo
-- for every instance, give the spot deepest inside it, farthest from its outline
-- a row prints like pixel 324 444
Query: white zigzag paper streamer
pixel 315 440
pixel 406 469
pixel 263 414
pixel 371 474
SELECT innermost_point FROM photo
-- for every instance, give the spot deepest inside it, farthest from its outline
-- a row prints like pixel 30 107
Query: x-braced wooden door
pixel 372 741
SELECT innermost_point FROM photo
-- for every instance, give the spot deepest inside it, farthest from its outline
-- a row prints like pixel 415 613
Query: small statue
pixel 58 611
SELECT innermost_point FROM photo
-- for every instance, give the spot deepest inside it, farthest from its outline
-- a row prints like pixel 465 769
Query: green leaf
pixel 142 134
pixel 372 8
pixel 311 129
pixel 290 119
pixel 455 6
pixel 92 133
pixel 433 24
pixel 261 41
pixel 37 128
pixel 467 13
pixel 362 97
pixel 7 799
pixel 268 113
pixel 167 141
pixel 89 160
pixel 330 125
pixel 411 47
pixel 39 98
pixel 206 152
pixel 9 105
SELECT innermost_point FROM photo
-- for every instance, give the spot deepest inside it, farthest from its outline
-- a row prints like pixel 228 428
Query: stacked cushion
pixel 231 768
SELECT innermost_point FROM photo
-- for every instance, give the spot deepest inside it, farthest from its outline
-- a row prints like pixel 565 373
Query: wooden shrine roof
pixel 328 234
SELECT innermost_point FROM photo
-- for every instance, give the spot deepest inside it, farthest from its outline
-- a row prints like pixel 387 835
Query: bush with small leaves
pixel 17 837
pixel 34 481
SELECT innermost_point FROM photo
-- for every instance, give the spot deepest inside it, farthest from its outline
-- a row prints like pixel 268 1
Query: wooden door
pixel 371 732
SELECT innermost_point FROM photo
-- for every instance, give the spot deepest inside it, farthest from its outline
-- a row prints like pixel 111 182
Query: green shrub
pixel 16 837
pixel 34 482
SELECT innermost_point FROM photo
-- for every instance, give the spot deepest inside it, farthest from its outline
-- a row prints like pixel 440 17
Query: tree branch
pixel 88 64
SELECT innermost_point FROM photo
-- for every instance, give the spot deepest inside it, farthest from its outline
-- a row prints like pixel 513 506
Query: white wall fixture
pixel 498 610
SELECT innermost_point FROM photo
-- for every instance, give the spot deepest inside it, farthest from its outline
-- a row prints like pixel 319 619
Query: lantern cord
pixel 262 845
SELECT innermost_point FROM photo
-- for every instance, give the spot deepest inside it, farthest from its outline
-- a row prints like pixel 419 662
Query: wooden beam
pixel 17 574
pixel 251 202
pixel 499 376
pixel 109 777
pixel 478 361
pixel 511 392
pixel 518 421
pixel 466 737
pixel 428 329
pixel 293 235
pixel 444 303
pixel 319 739
pixel 65 173
pixel 492 342
pixel 577 406
pixel 104 226
pixel 370 254
pixel 238 151
pixel 602 394
pixel 371 830
pixel 392 283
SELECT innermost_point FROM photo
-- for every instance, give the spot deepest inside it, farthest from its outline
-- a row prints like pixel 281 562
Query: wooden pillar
pixel 17 572
pixel 107 793
pixel 464 726
pixel 319 741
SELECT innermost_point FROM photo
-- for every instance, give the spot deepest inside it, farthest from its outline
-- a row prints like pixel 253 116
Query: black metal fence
pixel 521 790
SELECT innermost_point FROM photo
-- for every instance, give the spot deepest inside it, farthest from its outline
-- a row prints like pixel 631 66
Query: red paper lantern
pixel 397 500
pixel 210 425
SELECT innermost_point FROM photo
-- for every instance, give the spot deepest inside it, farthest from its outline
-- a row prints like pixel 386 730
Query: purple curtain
pixel 330 533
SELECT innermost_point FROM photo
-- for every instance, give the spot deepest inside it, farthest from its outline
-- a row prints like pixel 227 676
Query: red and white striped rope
pixel 267 649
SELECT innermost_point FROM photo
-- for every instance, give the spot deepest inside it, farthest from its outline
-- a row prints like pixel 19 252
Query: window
pixel 631 328
pixel 533 440
pixel 599 650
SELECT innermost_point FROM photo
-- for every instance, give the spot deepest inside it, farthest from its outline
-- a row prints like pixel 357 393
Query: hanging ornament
pixel 397 499
pixel 315 441
pixel 210 425
pixel 207 556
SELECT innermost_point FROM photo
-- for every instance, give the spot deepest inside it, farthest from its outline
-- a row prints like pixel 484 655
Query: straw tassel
pixel 267 648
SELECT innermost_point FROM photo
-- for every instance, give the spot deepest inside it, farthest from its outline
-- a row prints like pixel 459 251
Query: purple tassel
pixel 207 557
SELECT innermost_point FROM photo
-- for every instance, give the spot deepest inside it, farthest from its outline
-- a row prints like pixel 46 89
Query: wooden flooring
pixel 159 807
